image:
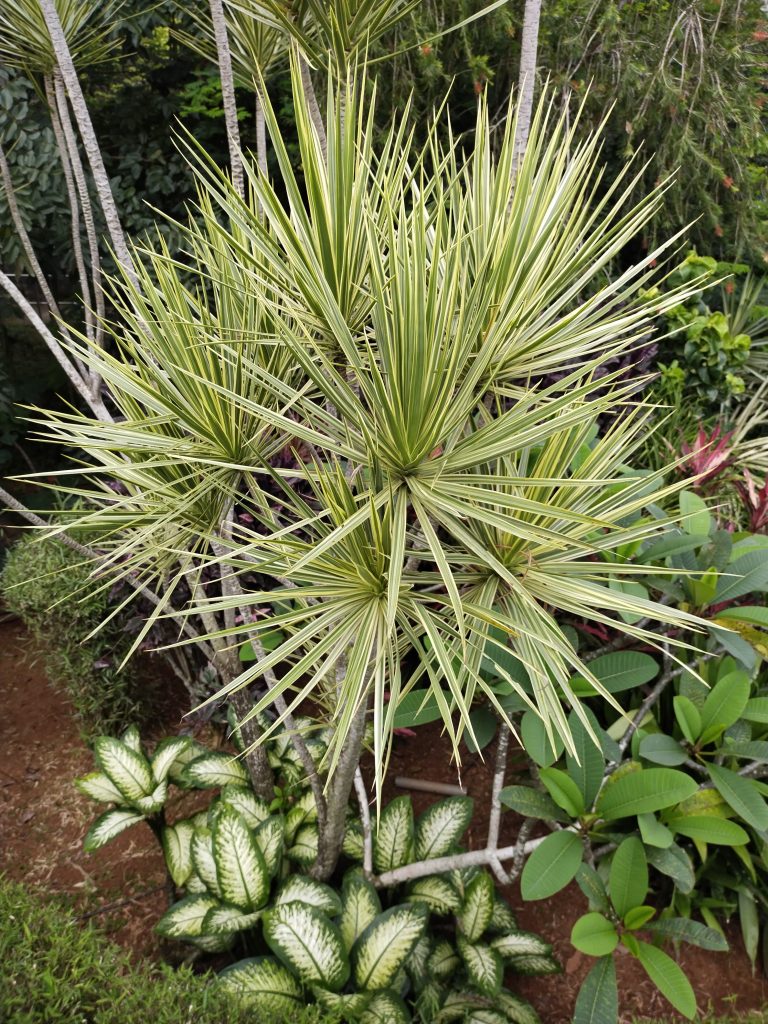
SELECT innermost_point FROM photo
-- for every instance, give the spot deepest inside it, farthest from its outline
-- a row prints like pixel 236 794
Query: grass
pixel 56 971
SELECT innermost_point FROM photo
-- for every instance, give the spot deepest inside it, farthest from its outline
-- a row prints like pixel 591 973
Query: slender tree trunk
pixel 94 401
pixel 74 206
pixel 87 208
pixel 314 106
pixel 526 84
pixel 261 135
pixel 88 135
pixel 26 242
pixel 228 93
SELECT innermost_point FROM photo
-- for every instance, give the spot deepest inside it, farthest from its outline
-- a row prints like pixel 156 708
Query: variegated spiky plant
pixel 326 395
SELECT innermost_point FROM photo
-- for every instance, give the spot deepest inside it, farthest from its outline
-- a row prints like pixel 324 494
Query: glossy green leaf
pixel 598 998
pixel 594 935
pixel 551 866
pixel 668 978
pixel 642 792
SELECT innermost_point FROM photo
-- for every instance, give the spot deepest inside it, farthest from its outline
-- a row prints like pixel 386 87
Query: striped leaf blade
pixel 385 945
pixel 360 904
pixel 265 984
pixel 302 889
pixel 437 893
pixel 98 786
pixel 269 836
pixel 177 849
pixel 305 844
pixel 483 965
pixel 215 769
pixel 226 919
pixel 441 826
pixel 128 770
pixel 203 860
pixel 443 961
pixel 109 825
pixel 477 909
pixel 246 803
pixel 393 841
pixel 166 753
pixel 308 943
pixel 520 944
pixel 185 918
pixel 240 868
pixel 386 1008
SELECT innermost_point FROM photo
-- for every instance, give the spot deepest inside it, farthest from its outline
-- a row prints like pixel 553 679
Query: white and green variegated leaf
pixel 98 786
pixel 416 967
pixel 354 843
pixel 177 767
pixel 393 840
pixel 502 918
pixel 269 839
pixel 444 961
pixel 294 819
pixel 127 769
pixel 429 999
pixel 265 984
pixel 360 904
pixel 437 893
pixel 195 884
pixel 441 826
pixel 346 1007
pixel 109 825
pixel 485 1015
pixel 304 849
pixel 386 1008
pixel 213 943
pixel 166 753
pixel 240 867
pixel 177 849
pixel 308 943
pixel 225 918
pixel 484 966
pixel 458 1005
pixel 301 889
pixel 520 944
pixel 385 945
pixel 151 804
pixel 214 769
pixel 515 1009
pixel 477 909
pixel 534 964
pixel 203 860
pixel 184 920
pixel 131 737
pixel 246 803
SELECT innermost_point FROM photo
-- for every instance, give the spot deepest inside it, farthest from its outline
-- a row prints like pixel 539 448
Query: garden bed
pixel 122 885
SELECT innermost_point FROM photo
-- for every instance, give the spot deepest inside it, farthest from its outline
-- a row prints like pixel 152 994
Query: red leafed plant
pixel 707 458
pixel 755 501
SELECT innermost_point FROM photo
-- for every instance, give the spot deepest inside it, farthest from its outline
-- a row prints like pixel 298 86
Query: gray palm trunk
pixel 228 93
pixel 526 84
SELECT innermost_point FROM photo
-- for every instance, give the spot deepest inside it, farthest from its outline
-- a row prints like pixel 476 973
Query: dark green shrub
pixel 46 585
pixel 59 972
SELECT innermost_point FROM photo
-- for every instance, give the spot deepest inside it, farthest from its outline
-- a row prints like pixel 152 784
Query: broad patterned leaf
pixel 152 804
pixel 98 787
pixel 393 840
pixel 444 960
pixel 240 868
pixel 441 826
pixel 483 965
pixel 269 836
pixel 166 753
pixel 532 965
pixel 345 1007
pixel 246 803
pixel 301 889
pixel 306 942
pixel 108 826
pixel 263 982
pixel 502 918
pixel 515 1009
pixel 185 918
pixel 520 944
pixel 304 849
pixel 225 919
pixel 385 945
pixel 126 768
pixel 386 1008
pixel 177 848
pixel 437 893
pixel 354 843
pixel 213 769
pixel 477 908
pixel 360 904
pixel 203 860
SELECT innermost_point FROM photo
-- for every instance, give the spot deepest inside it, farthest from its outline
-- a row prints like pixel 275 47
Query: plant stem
pixel 529 45
pixel 313 105
pixel 229 99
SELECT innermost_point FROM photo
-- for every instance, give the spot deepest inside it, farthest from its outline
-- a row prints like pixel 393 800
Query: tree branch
pixel 228 96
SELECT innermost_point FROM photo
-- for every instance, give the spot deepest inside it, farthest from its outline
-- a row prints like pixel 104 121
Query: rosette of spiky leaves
pixel 136 784
pixel 87 24
pixel 396 310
